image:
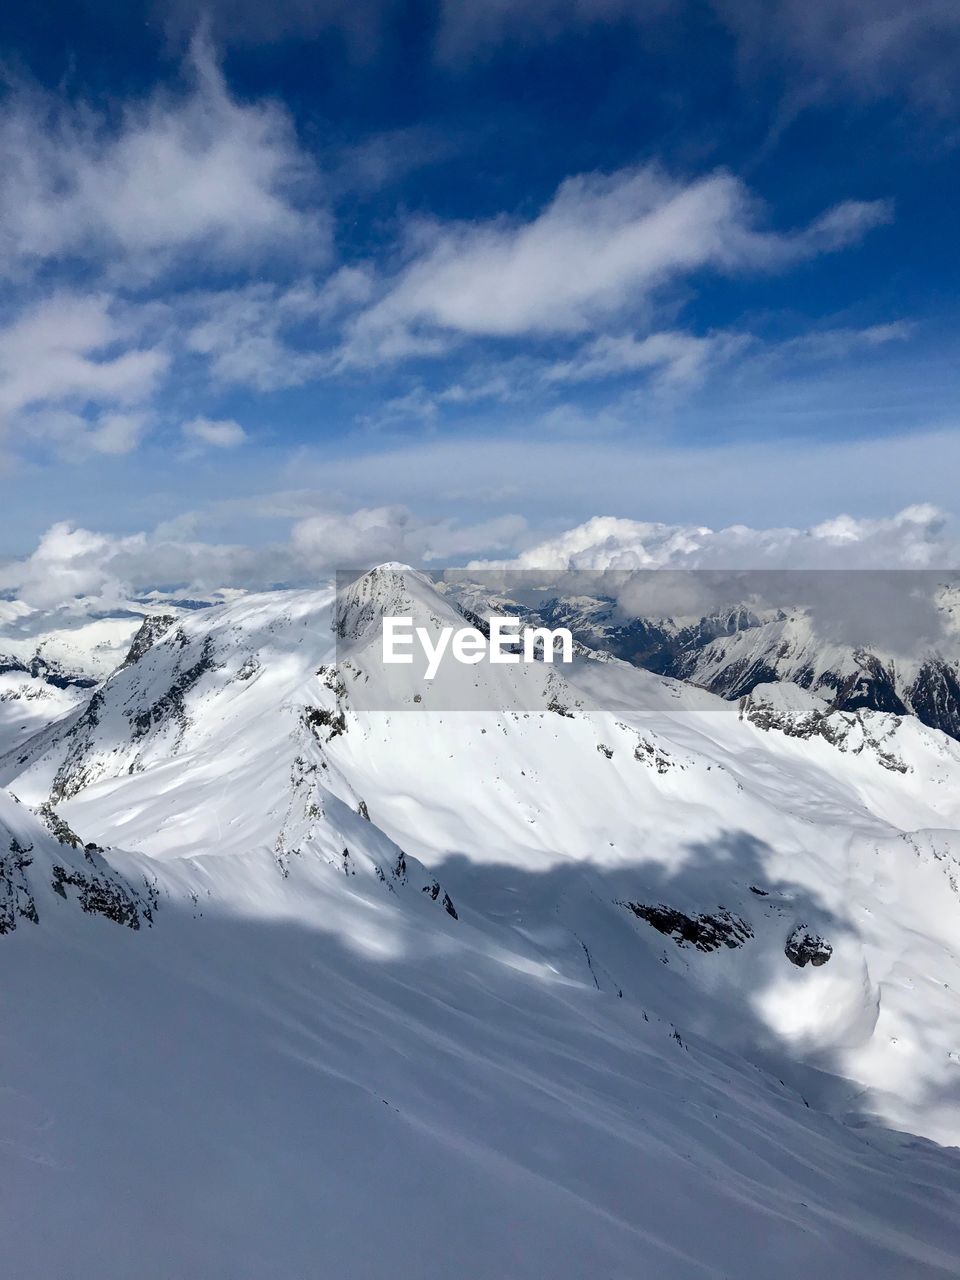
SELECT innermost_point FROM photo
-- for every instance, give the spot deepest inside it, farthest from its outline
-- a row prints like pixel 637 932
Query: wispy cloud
pixel 871 48
pixel 360 24
pixel 867 48
pixel 833 344
pixel 676 360
pixel 268 335
pixel 602 247
pixel 75 436
pixel 175 173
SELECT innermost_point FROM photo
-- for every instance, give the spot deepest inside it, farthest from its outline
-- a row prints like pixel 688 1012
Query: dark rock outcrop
pixel 151 629
pixel 16 899
pixel 446 902
pixel 706 932
pixel 805 947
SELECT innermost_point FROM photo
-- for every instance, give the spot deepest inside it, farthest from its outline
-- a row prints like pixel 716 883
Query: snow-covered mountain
pixel 732 650
pixel 49 661
pixel 526 971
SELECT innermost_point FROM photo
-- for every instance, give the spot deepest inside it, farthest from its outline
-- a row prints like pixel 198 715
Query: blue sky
pixel 494 267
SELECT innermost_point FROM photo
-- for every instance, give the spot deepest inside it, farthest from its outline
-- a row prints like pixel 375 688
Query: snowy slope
pixel 610 977
pixel 28 703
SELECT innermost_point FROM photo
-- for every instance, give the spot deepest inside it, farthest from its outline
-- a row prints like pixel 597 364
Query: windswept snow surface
pixel 496 992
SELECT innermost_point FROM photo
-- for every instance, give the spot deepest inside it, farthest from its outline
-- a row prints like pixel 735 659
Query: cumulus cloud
pixel 222 433
pixel 621 237
pixel 195 171
pixel 915 538
pixel 199 178
pixel 861 581
pixel 84 571
pixel 67 563
pixel 198 175
pixel 124 199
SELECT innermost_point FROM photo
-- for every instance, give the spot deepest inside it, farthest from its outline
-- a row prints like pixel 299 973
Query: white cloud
pixel 196 171
pixel 221 433
pixel 68 562
pixel 914 538
pixel 117 432
pixel 247 334
pixel 70 348
pixel 833 344
pixel 75 437
pixel 377 534
pixel 87 571
pixel 847 573
pixel 603 246
pixel 676 359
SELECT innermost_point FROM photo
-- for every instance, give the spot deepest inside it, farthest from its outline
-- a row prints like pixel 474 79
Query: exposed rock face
pixel 435 890
pixel 100 891
pixel 171 704
pixel 319 718
pixel 72 774
pixel 800 714
pixel 56 859
pixel 16 899
pixel 705 932
pixel 805 947
pixel 58 828
pixel 649 753
pixel 361 605
pixel 151 629
pixel 794 712
pixel 654 644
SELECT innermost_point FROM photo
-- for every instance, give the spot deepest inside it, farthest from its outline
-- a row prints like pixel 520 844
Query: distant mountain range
pixel 732 651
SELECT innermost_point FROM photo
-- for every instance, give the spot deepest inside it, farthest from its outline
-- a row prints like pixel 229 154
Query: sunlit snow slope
pixel 602 976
